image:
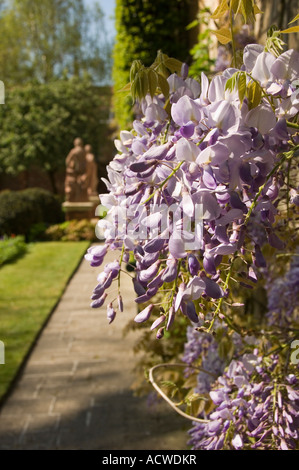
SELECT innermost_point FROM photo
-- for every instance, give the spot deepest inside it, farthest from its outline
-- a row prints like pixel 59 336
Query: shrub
pixel 11 249
pixel 47 203
pixel 21 210
pixel 37 231
pixel 73 230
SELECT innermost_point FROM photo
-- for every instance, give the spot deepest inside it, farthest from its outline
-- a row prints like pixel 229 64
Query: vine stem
pixel 226 283
pixel 165 134
pixel 120 263
pixel 232 35
pixel 286 156
pixel 294 125
pixel 163 395
pixel 165 181
pixel 288 190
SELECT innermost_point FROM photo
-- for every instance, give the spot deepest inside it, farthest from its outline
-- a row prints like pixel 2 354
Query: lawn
pixel 29 289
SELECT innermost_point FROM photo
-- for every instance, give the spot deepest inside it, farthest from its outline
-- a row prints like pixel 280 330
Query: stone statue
pixel 91 172
pixel 75 181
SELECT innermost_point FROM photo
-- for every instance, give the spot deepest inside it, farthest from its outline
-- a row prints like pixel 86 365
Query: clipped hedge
pixel 142 29
pixel 22 210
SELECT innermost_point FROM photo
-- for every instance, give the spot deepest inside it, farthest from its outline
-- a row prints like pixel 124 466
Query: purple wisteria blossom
pixel 197 186
pixel 252 409
pixel 201 349
pixel 184 190
pixel 283 295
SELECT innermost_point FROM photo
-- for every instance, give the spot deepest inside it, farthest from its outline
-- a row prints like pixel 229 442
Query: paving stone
pixel 17 407
pixel 75 389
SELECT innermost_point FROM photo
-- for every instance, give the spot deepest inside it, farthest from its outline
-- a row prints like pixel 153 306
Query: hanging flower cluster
pixel 255 397
pixel 203 346
pixel 283 295
pixel 201 350
pixel 200 192
pixel 200 164
pixel 252 409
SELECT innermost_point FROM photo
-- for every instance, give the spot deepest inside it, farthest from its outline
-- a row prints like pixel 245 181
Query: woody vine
pixel 202 200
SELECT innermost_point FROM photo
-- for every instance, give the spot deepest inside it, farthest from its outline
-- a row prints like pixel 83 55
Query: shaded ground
pixel 74 392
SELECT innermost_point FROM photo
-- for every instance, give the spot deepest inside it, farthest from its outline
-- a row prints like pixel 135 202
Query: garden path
pixel 75 389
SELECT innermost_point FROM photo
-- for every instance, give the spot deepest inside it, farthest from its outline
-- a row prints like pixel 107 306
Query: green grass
pixel 11 249
pixel 29 289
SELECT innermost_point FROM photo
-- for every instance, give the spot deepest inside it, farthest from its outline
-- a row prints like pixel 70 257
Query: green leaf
pixel 135 67
pixel 144 83
pixel 162 70
pixel 256 10
pixel 165 65
pixel 159 64
pixel 170 386
pixel 293 29
pixel 191 25
pixel 274 43
pixel 174 65
pixel 146 79
pixel 223 35
pixel 235 6
pixel 195 404
pixel 164 86
pixel 193 397
pixel 247 11
pixel 232 82
pixel 152 81
pixel 140 84
pixel 135 88
pixel 220 10
pixel 242 87
pixel 237 80
pixel 254 94
pixel 191 381
pixel 246 8
pixel 294 19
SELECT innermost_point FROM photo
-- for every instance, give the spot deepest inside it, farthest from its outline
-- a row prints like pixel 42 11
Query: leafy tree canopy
pixel 52 39
pixel 40 121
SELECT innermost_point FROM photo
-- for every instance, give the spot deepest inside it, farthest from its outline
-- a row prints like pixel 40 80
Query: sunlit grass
pixel 29 289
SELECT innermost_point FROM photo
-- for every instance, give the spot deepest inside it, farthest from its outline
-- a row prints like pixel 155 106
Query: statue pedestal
pixel 78 210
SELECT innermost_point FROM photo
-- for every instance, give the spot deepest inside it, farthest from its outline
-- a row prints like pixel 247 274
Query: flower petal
pixel 176 246
pixel 144 315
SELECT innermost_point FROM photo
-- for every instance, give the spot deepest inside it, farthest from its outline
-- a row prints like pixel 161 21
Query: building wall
pixel 275 12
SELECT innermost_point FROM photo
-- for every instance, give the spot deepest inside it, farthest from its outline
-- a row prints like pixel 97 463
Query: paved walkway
pixel 75 390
